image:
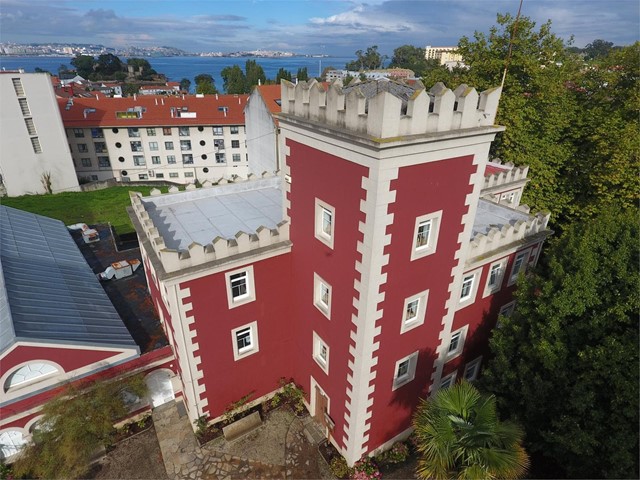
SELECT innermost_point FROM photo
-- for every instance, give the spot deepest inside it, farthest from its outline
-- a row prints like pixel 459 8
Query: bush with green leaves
pixel 339 467
pixel 365 469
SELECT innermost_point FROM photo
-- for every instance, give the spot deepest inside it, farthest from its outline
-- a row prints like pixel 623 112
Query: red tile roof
pixel 156 111
pixel 269 94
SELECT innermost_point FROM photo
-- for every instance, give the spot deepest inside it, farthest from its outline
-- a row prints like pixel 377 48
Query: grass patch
pixel 100 206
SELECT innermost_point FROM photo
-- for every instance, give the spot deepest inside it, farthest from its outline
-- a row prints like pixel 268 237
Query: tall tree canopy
pixel 74 426
pixel 566 361
pixel 367 60
pixel 84 65
pixel 408 56
pixel 233 79
pixel 185 84
pixel 303 74
pixel 254 75
pixel 108 64
pixel 459 436
pixel 283 74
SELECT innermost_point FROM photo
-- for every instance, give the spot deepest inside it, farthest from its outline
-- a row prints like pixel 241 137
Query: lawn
pixel 100 206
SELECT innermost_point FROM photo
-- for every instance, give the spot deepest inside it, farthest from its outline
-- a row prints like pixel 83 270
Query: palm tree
pixel 460 436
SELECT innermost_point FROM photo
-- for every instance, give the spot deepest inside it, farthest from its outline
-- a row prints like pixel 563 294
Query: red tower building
pixel 371 271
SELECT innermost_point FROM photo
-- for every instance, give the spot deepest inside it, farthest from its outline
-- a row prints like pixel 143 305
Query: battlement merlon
pixel 385 115
pixel 220 249
pixel 516 176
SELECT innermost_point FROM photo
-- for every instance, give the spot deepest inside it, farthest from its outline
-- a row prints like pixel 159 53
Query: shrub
pixel 202 424
pixel 339 467
pixel 365 469
pixel 398 453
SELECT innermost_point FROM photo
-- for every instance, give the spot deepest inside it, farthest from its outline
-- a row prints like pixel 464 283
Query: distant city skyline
pixel 312 27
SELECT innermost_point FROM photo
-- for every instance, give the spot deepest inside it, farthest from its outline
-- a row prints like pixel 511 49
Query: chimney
pixel 156 101
pixel 135 96
pixel 162 101
pixel 259 82
pixel 239 103
pixel 97 97
pixel 183 96
pixel 216 96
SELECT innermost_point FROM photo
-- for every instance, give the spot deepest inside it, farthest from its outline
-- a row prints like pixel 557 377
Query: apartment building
pixel 444 55
pixel 34 156
pixel 182 139
pixel 371 269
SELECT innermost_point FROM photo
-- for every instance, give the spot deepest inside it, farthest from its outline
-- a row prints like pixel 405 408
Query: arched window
pixel 28 373
pixel 11 441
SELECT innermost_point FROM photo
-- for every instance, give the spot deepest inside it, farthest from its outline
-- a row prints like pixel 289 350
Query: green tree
pixel 84 65
pixel 108 64
pixel 598 48
pixel 254 75
pixel 460 436
pixel 142 68
pixel 368 60
pixel 566 361
pixel 74 426
pixel 408 56
pixel 40 70
pixel 129 89
pixel 185 84
pixel 303 74
pixel 206 87
pixel 283 74
pixel 233 79
pixel 203 77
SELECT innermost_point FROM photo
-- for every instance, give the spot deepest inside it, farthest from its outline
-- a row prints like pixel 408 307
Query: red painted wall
pixel 227 380
pixel 337 182
pixel 420 189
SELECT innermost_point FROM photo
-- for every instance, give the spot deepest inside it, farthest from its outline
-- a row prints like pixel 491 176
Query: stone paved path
pixel 285 444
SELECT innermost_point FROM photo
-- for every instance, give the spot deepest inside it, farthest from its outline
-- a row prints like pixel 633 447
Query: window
pixel 236 157
pixel 153 145
pixel 155 160
pixel 94 178
pixel 31 127
pixel 324 222
pixel 97 133
pixel 159 175
pixel 509 197
pixel 168 145
pixel 78 132
pixel 240 288
pixel 166 131
pixel 467 287
pixel 456 342
pixel 472 369
pixel 414 311
pixel 82 148
pixel 322 295
pixel 220 158
pixel 425 235
pixel 494 277
pixel 446 382
pixel 321 353
pixel 234 129
pixel 173 175
pixel 217 131
pixel 139 160
pixel 235 143
pixel 188 174
pixel 35 144
pixel 133 132
pixel 171 159
pixel 103 162
pixel 245 340
pixel 143 176
pixel 183 131
pixel 86 162
pixel 518 265
pixel 185 145
pixel 187 158
pixel 136 146
pixel 218 143
pixel 11 442
pixel 29 373
pixel 101 147
pixel 151 132
pixel 405 370
pixel 507 310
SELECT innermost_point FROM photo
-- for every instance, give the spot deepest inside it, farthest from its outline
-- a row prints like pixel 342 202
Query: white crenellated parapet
pixel 197 254
pixel 508 176
pixel 483 243
pixel 382 115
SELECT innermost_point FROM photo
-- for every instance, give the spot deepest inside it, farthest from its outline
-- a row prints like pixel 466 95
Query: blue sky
pixel 318 26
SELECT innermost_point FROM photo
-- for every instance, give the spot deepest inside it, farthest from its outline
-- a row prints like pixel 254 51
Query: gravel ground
pixel 137 457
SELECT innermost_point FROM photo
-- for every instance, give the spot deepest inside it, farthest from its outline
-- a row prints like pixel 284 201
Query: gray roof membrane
pixel 202 215
pixel 492 215
pixel 48 292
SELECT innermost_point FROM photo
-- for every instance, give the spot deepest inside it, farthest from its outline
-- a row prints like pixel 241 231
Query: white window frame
pixel 435 219
pixel 461 333
pixel 320 209
pixel 248 297
pixel 451 378
pixel 238 353
pixel 400 380
pixel 491 289
pixel 325 308
pixel 473 292
pixel 513 275
pixel 318 346
pixel 409 324
pixel 475 365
